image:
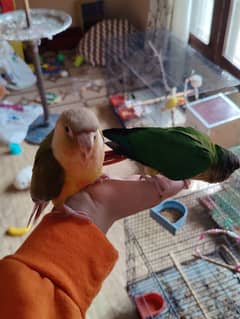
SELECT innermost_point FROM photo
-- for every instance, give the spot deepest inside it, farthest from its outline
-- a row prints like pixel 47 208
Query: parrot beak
pixel 85 141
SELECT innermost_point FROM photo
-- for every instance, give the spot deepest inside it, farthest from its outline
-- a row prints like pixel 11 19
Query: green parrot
pixel 70 158
pixel 179 153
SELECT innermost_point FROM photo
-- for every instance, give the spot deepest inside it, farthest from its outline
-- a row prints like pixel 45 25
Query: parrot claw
pixel 102 178
pixel 186 183
pixel 155 181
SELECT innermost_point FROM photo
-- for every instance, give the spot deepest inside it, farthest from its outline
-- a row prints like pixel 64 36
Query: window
pixel 232 41
pixel 202 21
pixel 215 31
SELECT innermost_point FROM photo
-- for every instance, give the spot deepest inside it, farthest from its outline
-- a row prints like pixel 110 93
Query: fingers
pixel 169 187
pixel 112 199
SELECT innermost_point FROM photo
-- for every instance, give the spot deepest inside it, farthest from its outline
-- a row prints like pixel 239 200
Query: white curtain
pixel 160 14
pixel 174 15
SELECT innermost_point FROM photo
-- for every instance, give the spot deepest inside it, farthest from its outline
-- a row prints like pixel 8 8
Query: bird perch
pixel 187 282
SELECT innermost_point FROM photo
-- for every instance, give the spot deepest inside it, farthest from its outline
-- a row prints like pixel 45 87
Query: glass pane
pixel 232 40
pixel 201 19
pixel 132 64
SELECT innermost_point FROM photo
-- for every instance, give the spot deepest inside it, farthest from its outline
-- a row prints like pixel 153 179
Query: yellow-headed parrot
pixel 179 153
pixel 70 158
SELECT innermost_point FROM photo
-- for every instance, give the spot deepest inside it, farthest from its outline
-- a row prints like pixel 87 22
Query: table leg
pixel 40 83
pixel 45 123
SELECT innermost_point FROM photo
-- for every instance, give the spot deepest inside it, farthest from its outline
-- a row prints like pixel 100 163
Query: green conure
pixel 177 152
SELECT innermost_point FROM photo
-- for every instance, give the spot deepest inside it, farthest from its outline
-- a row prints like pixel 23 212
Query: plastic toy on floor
pixel 21 182
pixel 60 57
pixel 51 68
pixel 23 178
pixel 78 61
pixel 51 97
pixel 53 65
pixel 15 149
pixel 17 231
pixel 64 73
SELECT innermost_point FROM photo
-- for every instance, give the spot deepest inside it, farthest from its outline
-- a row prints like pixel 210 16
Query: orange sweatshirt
pixel 57 271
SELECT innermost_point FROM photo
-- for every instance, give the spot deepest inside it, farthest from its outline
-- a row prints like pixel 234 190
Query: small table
pixel 34 25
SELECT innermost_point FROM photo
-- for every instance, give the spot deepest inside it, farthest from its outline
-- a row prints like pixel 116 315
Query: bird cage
pixel 148 66
pixel 196 271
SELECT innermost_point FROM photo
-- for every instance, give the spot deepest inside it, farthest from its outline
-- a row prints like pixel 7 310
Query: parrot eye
pixel 67 129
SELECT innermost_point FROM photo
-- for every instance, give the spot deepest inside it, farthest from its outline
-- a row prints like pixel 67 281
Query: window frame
pixel 214 50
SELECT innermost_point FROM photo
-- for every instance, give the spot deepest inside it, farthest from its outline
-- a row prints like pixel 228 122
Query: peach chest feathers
pixel 76 178
pixel 77 170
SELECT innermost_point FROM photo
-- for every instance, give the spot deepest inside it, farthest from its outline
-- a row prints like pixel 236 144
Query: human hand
pixel 111 199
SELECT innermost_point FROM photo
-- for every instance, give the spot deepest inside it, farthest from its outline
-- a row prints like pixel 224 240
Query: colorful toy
pixel 17 231
pixel 51 97
pixel 157 212
pixel 51 68
pixel 150 304
pixel 23 178
pixel 78 60
pixel 122 108
pixel 64 73
pixel 117 100
pixel 15 149
pixel 171 103
pixel 60 57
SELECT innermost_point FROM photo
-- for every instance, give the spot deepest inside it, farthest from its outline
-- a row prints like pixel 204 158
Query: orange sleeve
pixel 57 271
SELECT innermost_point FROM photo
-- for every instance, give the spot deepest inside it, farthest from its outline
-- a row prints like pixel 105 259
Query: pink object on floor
pixel 15 107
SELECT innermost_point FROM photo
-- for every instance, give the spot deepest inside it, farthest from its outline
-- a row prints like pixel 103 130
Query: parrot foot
pixel 155 181
pixel 186 183
pixel 102 178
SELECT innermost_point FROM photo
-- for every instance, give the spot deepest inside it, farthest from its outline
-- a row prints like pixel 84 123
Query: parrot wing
pixel 48 175
pixel 177 153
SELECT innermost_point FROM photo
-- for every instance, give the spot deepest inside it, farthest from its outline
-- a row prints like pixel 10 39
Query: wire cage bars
pixel 192 287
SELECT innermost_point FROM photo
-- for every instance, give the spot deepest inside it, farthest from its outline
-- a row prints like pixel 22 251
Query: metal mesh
pixel 151 268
